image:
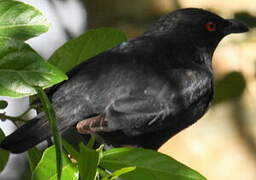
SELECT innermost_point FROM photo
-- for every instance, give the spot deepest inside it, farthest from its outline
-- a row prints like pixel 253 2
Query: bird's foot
pixel 93 125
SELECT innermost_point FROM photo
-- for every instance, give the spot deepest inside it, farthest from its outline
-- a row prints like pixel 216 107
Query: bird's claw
pixel 93 125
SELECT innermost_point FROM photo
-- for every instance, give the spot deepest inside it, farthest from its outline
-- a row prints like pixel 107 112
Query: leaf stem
pixel 3 117
pixel 48 109
pixel 19 118
pixel 103 173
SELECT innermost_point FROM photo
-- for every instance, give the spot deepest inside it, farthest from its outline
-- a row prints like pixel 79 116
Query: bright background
pixel 222 144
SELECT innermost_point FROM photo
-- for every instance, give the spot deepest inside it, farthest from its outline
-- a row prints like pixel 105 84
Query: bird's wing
pixel 136 115
pixel 141 112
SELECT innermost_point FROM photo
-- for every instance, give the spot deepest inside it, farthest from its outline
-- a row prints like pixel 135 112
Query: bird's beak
pixel 235 26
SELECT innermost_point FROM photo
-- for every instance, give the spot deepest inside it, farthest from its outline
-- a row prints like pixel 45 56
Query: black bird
pixel 143 91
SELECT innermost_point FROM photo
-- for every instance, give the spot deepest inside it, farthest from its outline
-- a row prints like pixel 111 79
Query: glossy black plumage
pixel 148 89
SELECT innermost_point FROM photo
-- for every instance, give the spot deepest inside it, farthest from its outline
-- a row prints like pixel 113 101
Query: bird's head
pixel 197 26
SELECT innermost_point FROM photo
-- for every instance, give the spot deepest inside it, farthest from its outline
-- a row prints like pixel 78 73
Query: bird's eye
pixel 210 26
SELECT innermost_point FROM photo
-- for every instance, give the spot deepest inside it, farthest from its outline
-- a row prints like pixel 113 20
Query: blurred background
pixel 222 144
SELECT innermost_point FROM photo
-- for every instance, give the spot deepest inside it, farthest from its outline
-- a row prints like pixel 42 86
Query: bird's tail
pixel 27 136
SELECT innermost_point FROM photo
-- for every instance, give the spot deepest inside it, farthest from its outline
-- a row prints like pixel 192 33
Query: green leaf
pixel 70 150
pixel 122 171
pixel 86 46
pixel 21 68
pixel 34 156
pixel 119 172
pixel 21 21
pixel 4 155
pixel 91 142
pixel 50 113
pixel 150 165
pixel 3 104
pixel 46 168
pixel 88 162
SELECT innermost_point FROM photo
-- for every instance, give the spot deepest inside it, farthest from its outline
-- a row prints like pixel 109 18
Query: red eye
pixel 210 26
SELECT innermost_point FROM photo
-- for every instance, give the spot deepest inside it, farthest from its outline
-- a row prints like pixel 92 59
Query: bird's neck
pixel 205 57
pixel 186 55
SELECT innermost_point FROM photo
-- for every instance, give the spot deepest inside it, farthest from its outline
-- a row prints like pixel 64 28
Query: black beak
pixel 235 26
